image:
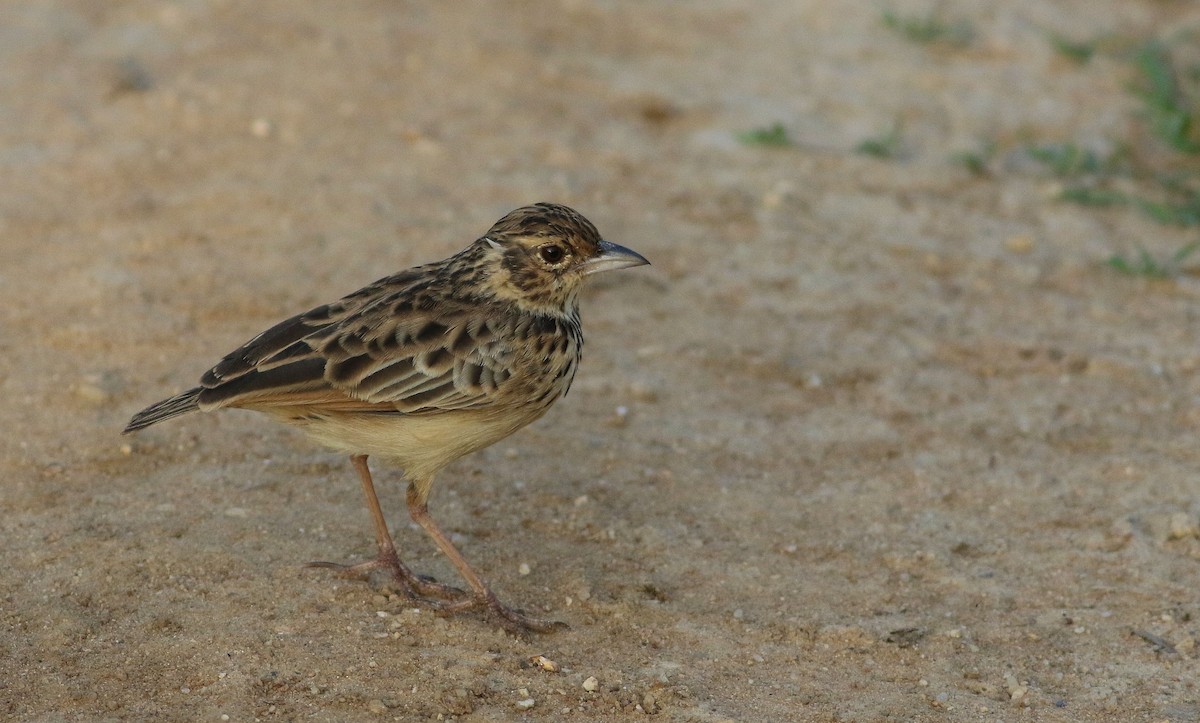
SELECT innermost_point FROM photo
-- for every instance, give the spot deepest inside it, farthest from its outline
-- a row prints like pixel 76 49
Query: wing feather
pixel 382 349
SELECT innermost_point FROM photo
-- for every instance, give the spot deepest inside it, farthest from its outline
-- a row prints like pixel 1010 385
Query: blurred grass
pixel 929 28
pixel 774 135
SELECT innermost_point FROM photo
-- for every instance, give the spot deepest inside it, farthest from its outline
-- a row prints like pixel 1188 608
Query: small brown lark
pixel 424 367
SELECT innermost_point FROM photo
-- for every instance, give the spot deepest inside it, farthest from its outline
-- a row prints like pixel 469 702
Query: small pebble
pixel 524 569
pixel 525 703
pixel 1182 526
pixel 377 707
pixel 1020 244
pixel 591 684
pixel 91 393
pixel 643 392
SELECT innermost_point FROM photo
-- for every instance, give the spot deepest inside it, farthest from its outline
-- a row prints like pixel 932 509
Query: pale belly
pixel 420 444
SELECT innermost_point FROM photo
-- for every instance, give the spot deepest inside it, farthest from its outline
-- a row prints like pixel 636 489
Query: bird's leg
pixel 413 585
pixel 512 620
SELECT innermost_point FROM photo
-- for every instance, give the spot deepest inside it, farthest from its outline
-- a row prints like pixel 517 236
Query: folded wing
pixel 380 350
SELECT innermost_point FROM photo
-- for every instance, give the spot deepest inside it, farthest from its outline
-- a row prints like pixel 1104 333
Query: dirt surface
pixel 893 442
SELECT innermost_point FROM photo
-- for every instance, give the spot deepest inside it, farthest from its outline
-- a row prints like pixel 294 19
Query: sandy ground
pixel 897 445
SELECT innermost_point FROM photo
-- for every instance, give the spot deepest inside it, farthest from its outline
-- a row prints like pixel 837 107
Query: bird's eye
pixel 551 254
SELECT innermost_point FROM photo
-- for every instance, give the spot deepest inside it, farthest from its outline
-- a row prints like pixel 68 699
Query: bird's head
pixel 541 254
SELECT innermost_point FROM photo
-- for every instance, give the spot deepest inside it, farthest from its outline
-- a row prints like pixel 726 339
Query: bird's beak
pixel 613 257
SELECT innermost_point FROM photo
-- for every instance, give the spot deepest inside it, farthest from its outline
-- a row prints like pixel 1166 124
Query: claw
pixel 513 620
pixel 421 589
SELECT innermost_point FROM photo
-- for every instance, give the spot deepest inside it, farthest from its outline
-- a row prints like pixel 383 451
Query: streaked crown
pixel 543 253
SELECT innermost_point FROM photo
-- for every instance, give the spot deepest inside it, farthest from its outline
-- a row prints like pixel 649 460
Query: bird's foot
pixel 513 620
pixel 418 588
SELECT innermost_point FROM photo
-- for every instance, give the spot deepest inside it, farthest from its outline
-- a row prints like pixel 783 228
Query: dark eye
pixel 551 254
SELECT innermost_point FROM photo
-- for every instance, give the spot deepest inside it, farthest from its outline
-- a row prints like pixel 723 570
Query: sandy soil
pixel 897 444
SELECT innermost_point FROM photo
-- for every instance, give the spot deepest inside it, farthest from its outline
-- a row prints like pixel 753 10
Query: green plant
pixel 1080 52
pixel 774 135
pixel 1167 107
pixel 1144 263
pixel 883 146
pixel 976 161
pixel 1069 159
pixel 929 28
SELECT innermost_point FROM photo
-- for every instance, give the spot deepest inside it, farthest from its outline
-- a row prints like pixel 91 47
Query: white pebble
pixel 591 684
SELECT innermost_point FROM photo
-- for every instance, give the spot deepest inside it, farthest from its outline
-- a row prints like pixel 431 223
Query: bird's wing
pixel 382 349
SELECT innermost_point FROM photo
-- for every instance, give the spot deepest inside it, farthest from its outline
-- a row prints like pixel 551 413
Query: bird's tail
pixel 166 409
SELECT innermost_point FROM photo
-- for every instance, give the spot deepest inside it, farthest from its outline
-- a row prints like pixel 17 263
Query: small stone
pixel 525 703
pixel 643 392
pixel 1182 526
pixel 91 393
pixel 523 569
pixel 591 685
pixel 1019 244
pixel 544 663
pixel 377 707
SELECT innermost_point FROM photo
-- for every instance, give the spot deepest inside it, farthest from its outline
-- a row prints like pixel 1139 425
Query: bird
pixel 423 367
